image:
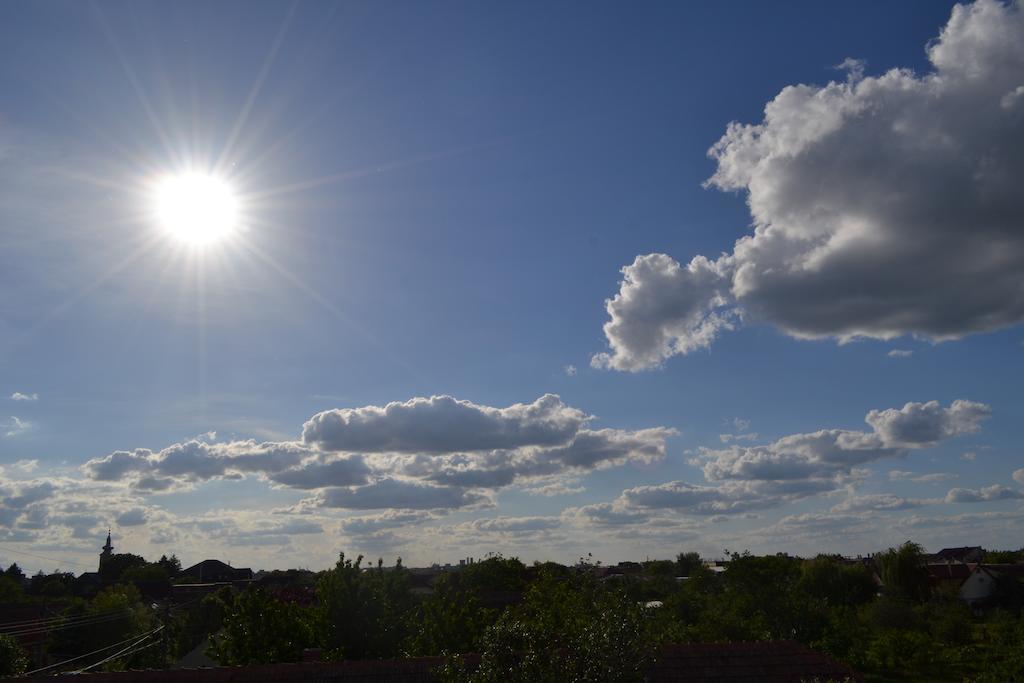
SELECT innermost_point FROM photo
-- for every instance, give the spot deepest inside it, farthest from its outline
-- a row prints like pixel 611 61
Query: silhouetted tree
pixel 259 629
pixel 171 565
pixel 688 563
pixel 839 584
pixel 13 658
pixel 903 572
pixel 14 572
pixel 363 614
pixel 115 565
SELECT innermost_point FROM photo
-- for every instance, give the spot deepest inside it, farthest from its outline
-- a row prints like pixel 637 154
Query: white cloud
pixel 1018 476
pixel 545 445
pixel 513 525
pixel 930 478
pixel 16 426
pixel 744 478
pixel 917 425
pixel 832 453
pixel 663 309
pixel 133 517
pixel 555 489
pixel 970 456
pixel 570 370
pixel 731 438
pixel 18 396
pixel 983 495
pixel 877 211
pixel 900 353
pixel 442 424
pixel 401 495
pixel 187 463
pixel 880 502
pixel 605 514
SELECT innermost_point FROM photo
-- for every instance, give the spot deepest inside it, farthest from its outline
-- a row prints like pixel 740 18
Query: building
pixel 964 555
pixel 215 571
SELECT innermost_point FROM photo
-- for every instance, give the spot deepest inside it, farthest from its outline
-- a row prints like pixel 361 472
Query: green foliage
pixel 194 621
pixel 496 573
pixel 114 566
pixel 1003 660
pixel 688 564
pixel 903 572
pixel 1003 556
pixel 10 590
pixel 660 568
pixel 146 572
pixel 15 573
pixel 171 565
pixel 761 599
pixel 123 615
pixel 567 630
pixel 363 614
pixel 837 583
pixel 449 620
pixel 259 629
pixel 55 585
pixel 13 658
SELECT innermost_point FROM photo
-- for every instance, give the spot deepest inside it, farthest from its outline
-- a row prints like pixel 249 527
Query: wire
pixel 127 650
pixel 61 627
pixel 33 622
pixel 88 654
pixel 48 559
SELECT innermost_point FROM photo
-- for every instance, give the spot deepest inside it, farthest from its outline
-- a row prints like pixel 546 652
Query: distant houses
pixel 214 571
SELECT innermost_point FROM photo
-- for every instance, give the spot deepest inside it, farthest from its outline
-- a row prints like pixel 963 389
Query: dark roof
pixel 214 564
pixel 764 662
pixel 961 554
pixel 950 572
pixel 780 661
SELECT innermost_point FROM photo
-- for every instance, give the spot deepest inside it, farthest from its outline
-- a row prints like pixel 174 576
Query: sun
pixel 196 209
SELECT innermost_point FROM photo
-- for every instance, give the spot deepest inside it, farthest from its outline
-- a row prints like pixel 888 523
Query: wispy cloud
pixel 18 396
pixel 17 426
pixel 930 478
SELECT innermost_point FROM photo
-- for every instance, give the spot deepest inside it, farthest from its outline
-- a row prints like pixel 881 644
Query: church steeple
pixel 108 550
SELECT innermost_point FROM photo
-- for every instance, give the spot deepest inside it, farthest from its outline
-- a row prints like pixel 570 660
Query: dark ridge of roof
pixel 956 572
pixel 764 662
pixel 779 661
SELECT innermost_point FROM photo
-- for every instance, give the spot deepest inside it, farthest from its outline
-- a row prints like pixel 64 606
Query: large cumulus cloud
pixel 442 424
pixel 741 479
pixel 881 206
pixel 423 454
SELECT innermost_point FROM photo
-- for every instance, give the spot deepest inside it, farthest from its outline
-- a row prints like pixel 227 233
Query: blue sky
pixel 438 200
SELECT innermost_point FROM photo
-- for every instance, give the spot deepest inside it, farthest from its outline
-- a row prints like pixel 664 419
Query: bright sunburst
pixel 197 209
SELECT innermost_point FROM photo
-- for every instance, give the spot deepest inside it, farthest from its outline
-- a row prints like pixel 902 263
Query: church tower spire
pixel 108 550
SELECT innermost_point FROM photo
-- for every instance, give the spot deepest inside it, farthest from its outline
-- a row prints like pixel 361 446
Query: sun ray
pixel 330 306
pixel 257 85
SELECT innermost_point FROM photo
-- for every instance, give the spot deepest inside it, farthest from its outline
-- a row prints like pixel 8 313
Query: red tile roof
pixel 764 662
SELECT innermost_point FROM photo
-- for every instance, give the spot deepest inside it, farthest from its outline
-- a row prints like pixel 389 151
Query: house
pixel 975 584
pixel 215 571
pixel 964 555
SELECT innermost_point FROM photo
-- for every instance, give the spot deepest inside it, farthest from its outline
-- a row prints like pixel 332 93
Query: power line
pixel 43 557
pixel 60 627
pixel 88 654
pixel 38 622
pixel 128 650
